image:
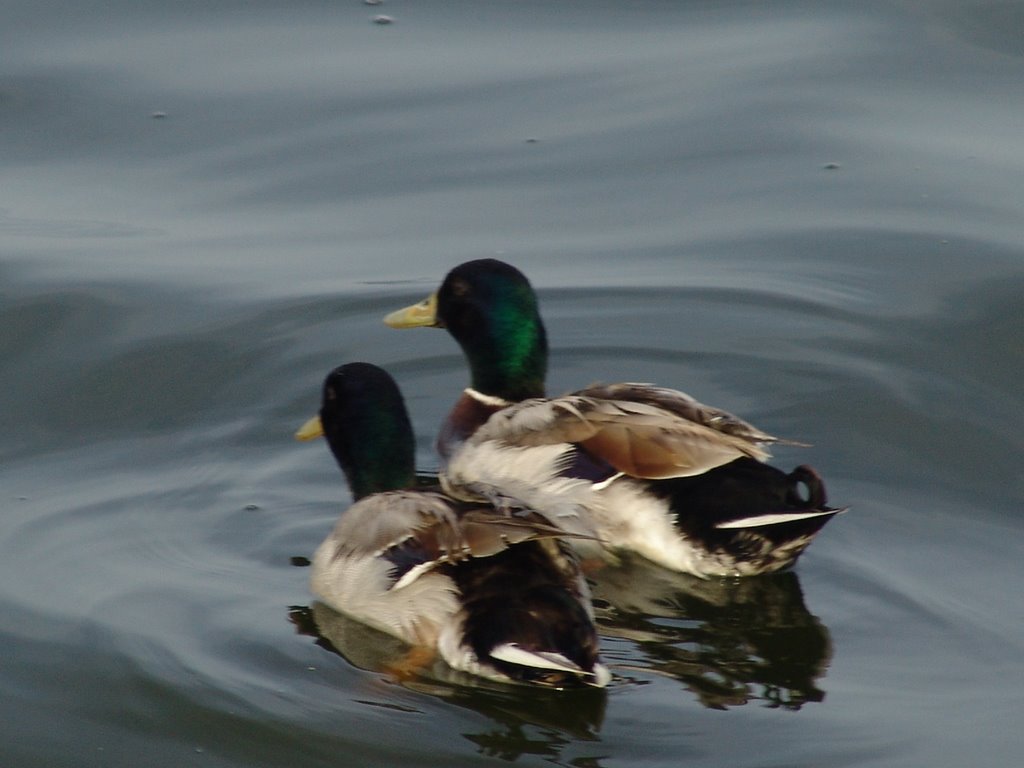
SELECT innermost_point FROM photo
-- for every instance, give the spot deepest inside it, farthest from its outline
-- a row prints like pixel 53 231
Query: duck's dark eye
pixel 459 287
pixel 330 394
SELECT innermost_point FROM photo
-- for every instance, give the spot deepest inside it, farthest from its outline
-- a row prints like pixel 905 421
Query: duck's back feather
pixel 682 405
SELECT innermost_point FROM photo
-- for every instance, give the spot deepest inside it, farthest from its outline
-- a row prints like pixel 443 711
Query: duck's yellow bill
pixel 421 315
pixel 311 430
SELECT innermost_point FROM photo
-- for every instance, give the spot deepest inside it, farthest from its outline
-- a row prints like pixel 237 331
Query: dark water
pixel 809 213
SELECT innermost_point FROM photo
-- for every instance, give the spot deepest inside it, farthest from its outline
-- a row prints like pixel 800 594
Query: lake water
pixel 809 213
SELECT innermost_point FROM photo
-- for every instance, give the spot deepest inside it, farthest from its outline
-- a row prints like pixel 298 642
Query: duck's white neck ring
pixel 480 397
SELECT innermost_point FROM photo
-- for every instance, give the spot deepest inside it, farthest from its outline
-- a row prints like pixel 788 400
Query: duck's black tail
pixel 750 511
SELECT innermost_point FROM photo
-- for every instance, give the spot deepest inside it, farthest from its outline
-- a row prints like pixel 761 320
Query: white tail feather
pixel 777 518
pixel 513 654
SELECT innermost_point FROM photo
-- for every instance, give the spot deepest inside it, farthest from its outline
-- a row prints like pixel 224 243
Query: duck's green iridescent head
pixel 490 308
pixel 367 427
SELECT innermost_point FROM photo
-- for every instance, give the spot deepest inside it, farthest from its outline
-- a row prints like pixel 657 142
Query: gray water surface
pixel 807 213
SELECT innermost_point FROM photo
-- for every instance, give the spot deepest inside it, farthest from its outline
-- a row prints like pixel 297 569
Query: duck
pixel 496 593
pixel 661 475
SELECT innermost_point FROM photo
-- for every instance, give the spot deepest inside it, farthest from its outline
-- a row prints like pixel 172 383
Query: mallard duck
pixel 663 475
pixel 496 592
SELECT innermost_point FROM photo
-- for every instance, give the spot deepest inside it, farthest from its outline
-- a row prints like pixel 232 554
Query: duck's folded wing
pixel 684 406
pixel 376 523
pixel 636 438
pixel 487 532
pixel 418 531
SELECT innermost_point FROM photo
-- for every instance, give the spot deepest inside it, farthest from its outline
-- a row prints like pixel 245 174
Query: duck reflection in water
pixel 730 641
pixel 527 720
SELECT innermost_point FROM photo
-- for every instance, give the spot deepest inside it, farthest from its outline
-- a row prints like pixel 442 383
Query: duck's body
pixel 660 473
pixel 496 594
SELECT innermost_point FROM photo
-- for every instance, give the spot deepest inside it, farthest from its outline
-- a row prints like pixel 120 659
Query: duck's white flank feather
pixel 649 529
pixel 361 587
pixel 523 477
